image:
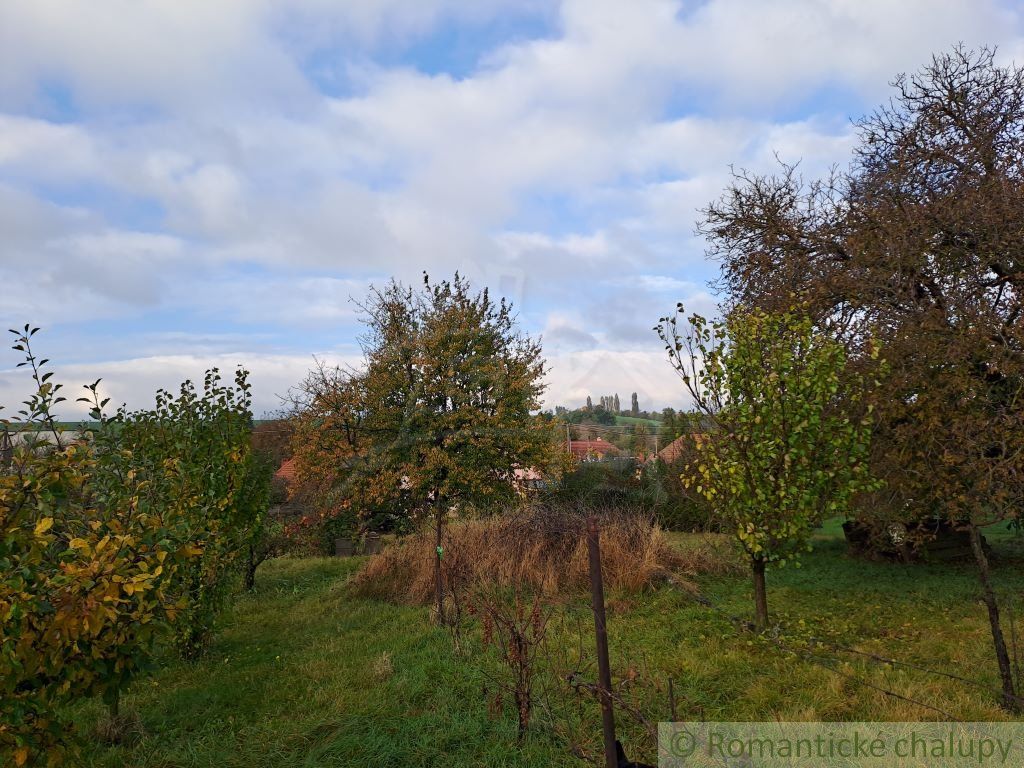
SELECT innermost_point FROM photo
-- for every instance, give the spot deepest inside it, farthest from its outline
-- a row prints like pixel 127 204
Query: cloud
pixel 40 150
pixel 172 55
pixel 573 376
pixel 195 169
pixel 286 302
pixel 135 380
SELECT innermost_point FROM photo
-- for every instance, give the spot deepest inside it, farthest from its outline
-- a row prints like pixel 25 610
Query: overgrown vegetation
pixel 114 543
pixel 539 548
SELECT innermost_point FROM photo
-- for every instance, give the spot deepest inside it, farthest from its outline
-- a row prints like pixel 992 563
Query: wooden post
pixel 438 550
pixel 1010 701
pixel 604 671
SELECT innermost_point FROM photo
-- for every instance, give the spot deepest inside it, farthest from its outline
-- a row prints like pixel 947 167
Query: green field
pixel 651 424
pixel 304 674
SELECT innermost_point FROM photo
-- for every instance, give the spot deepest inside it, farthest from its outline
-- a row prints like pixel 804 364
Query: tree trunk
pixel 438 584
pixel 1010 701
pixel 760 594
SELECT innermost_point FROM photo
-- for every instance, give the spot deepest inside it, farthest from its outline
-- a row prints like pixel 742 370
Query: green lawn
pixel 303 674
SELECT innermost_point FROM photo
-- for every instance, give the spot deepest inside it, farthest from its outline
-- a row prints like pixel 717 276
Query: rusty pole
pixel 604 671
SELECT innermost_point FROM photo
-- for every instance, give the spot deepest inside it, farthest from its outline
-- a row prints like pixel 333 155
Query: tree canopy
pixel 782 455
pixel 441 412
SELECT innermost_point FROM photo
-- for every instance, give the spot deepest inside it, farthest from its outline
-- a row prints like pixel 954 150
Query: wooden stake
pixel 604 671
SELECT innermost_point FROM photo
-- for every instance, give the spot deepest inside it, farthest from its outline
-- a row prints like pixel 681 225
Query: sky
pixel 187 184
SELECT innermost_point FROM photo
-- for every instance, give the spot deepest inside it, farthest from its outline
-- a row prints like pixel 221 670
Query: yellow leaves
pixel 135 508
pixel 96 621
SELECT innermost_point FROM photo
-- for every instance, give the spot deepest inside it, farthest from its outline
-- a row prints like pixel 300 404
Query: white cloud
pixel 39 149
pixel 556 171
pixel 135 381
pixel 572 376
pixel 760 52
pixel 168 53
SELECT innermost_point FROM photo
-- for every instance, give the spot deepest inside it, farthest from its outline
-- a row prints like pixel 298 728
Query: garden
pixel 838 539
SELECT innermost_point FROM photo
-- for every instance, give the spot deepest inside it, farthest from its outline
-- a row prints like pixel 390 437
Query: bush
pixel 87 574
pixel 654 488
pixel 683 509
pixel 110 542
pixel 605 484
pixel 539 547
pixel 209 486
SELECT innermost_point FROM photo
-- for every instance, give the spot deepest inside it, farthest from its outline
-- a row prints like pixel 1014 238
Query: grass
pixel 651 424
pixel 303 673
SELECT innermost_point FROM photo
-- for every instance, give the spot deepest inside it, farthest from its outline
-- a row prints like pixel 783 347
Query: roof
pixel 678 447
pixel 599 447
pixel 286 471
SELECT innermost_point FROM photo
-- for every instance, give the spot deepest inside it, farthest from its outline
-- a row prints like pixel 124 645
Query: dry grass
pixel 124 728
pixel 713 553
pixel 382 667
pixel 538 548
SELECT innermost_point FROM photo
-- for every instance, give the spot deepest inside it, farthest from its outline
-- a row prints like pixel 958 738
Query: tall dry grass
pixel 539 548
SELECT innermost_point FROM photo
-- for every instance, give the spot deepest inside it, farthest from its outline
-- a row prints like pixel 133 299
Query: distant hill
pixel 651 424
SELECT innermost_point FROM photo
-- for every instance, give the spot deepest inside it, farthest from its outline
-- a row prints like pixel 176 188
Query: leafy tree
pixel 918 243
pixel 195 451
pixel 669 428
pixel 112 541
pixel 439 415
pixel 781 456
pixel 87 575
pixel 639 442
pixel 635 406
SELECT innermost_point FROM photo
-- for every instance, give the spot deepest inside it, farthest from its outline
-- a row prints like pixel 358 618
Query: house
pixel 284 491
pixel 679 448
pixel 286 472
pixel 593 450
pixel 527 480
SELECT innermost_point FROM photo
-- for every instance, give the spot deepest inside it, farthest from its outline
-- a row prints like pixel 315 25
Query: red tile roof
pixel 601 448
pixel 678 447
pixel 286 471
